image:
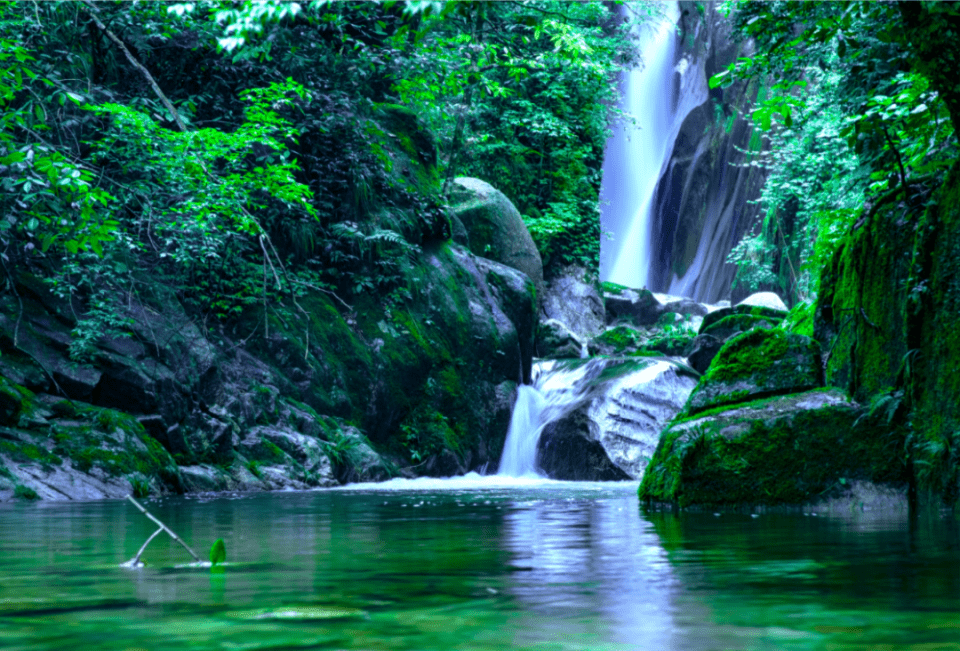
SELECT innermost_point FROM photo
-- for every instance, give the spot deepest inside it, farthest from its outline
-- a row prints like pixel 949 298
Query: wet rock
pixel 555 341
pixel 637 306
pixel 623 405
pixel 361 462
pixel 686 306
pixel 705 348
pixel 568 450
pixel 573 299
pixel 791 449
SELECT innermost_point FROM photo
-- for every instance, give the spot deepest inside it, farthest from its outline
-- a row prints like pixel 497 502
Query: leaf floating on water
pixel 218 552
pixel 296 613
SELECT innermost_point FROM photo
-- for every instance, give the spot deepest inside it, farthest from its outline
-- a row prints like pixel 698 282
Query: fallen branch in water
pixel 136 559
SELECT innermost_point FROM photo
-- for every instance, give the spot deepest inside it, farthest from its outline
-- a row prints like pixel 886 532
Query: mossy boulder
pixel 755 364
pixel 495 228
pixel 791 449
pixel 734 324
pixel 617 340
pixel 749 311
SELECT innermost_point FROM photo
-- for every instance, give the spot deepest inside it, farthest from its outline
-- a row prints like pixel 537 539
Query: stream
pixel 474 563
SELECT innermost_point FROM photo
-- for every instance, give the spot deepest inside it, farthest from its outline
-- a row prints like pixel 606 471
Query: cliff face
pixel 886 318
pixel 702 203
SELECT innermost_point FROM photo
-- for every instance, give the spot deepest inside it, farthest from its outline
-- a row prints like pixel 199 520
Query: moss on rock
pixel 789 449
pixel 756 311
pixel 755 364
pixel 736 323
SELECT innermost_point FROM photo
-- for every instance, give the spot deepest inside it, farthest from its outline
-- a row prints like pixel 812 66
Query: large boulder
pixel 756 364
pixel 790 449
pixel 572 297
pixel 568 449
pixel 495 228
pixel 612 429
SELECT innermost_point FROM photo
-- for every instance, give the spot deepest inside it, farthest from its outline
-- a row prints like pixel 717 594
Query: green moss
pixel 27 452
pixel 612 288
pixel 750 310
pixel 273 454
pixel 14 401
pixel 25 493
pixel 747 353
pixel 799 319
pixel 735 323
pixel 770 452
pixel 112 441
pixel 620 338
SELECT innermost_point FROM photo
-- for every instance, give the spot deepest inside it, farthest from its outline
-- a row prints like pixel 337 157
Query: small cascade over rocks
pixel 593 419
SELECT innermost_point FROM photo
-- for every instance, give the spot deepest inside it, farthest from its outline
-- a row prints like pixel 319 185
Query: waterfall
pixel 557 387
pixel 635 155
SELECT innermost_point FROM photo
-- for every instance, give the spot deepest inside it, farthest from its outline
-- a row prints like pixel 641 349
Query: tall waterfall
pixel 635 155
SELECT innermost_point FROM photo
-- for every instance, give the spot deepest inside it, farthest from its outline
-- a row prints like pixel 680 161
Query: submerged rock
pixel 789 449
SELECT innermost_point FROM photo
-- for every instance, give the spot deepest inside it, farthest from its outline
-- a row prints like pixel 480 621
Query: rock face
pixel 756 364
pixel 495 228
pixel 622 406
pixel 886 314
pixel 783 450
pixel 703 198
pixel 555 341
pixel 573 298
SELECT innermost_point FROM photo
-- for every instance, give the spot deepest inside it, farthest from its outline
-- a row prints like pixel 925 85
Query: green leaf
pixel 218 552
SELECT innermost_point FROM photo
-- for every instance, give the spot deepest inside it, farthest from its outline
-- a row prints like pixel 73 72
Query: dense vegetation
pixel 234 149
pixel 856 115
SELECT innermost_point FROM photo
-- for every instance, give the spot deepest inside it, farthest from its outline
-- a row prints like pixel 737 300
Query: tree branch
pixel 92 11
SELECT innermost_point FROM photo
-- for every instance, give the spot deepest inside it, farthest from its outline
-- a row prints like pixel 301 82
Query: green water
pixel 575 566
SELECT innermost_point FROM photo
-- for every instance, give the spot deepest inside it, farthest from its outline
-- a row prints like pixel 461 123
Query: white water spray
pixel 635 154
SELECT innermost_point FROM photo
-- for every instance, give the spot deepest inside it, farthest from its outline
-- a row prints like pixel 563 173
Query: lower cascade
pixel 592 419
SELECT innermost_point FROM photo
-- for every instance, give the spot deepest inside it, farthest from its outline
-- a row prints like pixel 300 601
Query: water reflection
pixel 543 565
pixel 594 565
